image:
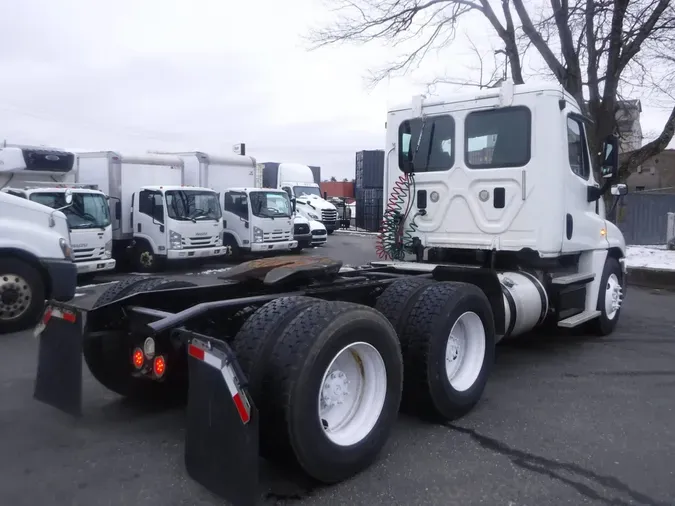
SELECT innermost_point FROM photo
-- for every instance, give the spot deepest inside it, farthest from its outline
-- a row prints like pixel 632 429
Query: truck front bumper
pixel 63 277
pixel 89 266
pixel 304 239
pixel 261 247
pixel 331 225
pixel 182 254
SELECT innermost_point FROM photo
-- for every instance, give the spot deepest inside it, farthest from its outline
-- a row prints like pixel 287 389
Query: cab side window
pixel 150 203
pixel 236 203
pixel 576 148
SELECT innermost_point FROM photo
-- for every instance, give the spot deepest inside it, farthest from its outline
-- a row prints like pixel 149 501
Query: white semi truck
pixel 36 260
pixel 298 181
pixel 46 182
pixel 156 216
pixel 255 220
pixel 307 363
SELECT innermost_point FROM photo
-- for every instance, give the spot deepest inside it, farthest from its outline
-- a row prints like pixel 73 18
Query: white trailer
pixel 43 175
pixel 255 220
pixel 156 217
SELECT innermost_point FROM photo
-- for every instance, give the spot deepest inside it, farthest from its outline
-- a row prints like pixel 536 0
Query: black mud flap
pixel 221 440
pixel 59 371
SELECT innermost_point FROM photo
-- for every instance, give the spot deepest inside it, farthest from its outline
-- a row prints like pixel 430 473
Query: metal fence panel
pixel 643 217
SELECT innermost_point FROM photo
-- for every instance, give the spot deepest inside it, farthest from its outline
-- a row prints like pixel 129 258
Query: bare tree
pixel 598 50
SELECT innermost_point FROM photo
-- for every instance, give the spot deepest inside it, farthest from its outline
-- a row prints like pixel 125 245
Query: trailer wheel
pixel 22 295
pixel 449 344
pixel 333 389
pixel 396 301
pixel 610 298
pixel 108 358
pixel 118 290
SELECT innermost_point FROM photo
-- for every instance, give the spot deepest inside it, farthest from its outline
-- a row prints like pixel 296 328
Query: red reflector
pixel 47 316
pixel 243 412
pixel 198 353
pixel 69 317
pixel 159 366
pixel 138 359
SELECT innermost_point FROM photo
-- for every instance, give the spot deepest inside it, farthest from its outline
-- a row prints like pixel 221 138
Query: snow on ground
pixel 654 257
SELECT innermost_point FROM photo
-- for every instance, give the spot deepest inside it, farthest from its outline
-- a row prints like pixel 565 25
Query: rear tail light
pixel 138 359
pixel 159 366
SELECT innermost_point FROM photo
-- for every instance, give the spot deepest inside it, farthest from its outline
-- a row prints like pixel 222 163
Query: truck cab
pixel 257 220
pixel 174 223
pixel 88 218
pixel 36 261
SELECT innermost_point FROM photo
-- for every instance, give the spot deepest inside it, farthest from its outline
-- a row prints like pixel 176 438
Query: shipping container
pixel 337 189
pixel 369 205
pixel 370 169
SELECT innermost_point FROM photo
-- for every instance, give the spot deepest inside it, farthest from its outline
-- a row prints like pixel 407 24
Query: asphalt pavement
pixel 565 420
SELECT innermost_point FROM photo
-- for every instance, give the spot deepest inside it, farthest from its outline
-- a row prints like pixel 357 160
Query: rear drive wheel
pixel 22 295
pixel 449 342
pixel 610 298
pixel 333 389
pixel 109 356
pixel 398 299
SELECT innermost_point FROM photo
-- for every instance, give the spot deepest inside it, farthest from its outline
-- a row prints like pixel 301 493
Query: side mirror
pixel 294 203
pixel 610 158
pixel 68 196
pixel 325 195
pixel 619 189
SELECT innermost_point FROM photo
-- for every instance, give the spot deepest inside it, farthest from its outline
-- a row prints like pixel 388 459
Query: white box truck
pixel 297 180
pixel 44 175
pixel 156 217
pixel 255 220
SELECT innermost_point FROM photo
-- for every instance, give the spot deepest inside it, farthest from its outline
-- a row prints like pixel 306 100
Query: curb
pixel 647 277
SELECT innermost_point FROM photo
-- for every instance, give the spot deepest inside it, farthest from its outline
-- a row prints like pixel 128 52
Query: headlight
pixel 108 249
pixel 313 216
pixel 257 234
pixel 66 249
pixel 175 240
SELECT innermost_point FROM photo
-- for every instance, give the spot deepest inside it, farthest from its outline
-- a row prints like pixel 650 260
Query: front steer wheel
pixel 610 298
pixel 332 389
pixel 108 356
pixel 22 295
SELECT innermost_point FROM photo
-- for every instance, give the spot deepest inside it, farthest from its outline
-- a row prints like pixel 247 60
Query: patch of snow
pixel 653 257
pixel 355 232
pixel 208 271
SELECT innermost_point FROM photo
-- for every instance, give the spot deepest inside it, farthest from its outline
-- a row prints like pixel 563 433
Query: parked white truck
pixel 298 181
pixel 255 220
pixel 156 217
pixel 36 260
pixel 45 179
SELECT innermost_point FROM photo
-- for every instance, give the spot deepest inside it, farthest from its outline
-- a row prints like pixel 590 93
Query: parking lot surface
pixel 565 420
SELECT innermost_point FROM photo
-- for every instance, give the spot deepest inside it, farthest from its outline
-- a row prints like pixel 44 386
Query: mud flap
pixel 221 439
pixel 59 371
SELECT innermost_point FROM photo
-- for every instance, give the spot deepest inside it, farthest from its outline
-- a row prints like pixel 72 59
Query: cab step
pixel 578 319
pixel 573 279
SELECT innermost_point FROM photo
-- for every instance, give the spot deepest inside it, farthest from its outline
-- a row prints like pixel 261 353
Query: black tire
pixel 109 358
pixel 293 380
pixel 398 299
pixel 330 232
pixel 427 391
pixel 602 325
pixel 22 295
pixel 118 290
pixel 232 250
pixel 143 259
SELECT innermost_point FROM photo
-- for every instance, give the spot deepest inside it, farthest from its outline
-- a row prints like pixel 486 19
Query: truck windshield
pixel 270 204
pixel 88 210
pixel 306 191
pixel 192 205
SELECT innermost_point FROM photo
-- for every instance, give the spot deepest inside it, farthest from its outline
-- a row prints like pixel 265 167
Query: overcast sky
pixel 138 75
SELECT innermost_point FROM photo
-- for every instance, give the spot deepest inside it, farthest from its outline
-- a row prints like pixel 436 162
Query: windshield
pixel 192 205
pixel 304 191
pixel 270 204
pixel 89 210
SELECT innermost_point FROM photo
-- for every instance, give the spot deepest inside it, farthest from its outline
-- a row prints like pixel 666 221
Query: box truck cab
pixel 88 217
pixel 254 220
pixel 36 261
pixel 156 217
pixel 43 175
pixel 257 220
pixel 297 180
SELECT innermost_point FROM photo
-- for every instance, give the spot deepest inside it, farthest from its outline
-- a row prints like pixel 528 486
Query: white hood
pixel 312 201
pixel 316 225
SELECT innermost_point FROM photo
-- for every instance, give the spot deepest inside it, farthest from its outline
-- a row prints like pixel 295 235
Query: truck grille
pixel 301 228
pixel 199 242
pixel 277 236
pixel 328 215
pixel 84 254
pixel 318 232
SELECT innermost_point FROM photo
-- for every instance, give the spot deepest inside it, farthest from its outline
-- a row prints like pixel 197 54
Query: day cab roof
pixel 474 95
pixel 60 189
